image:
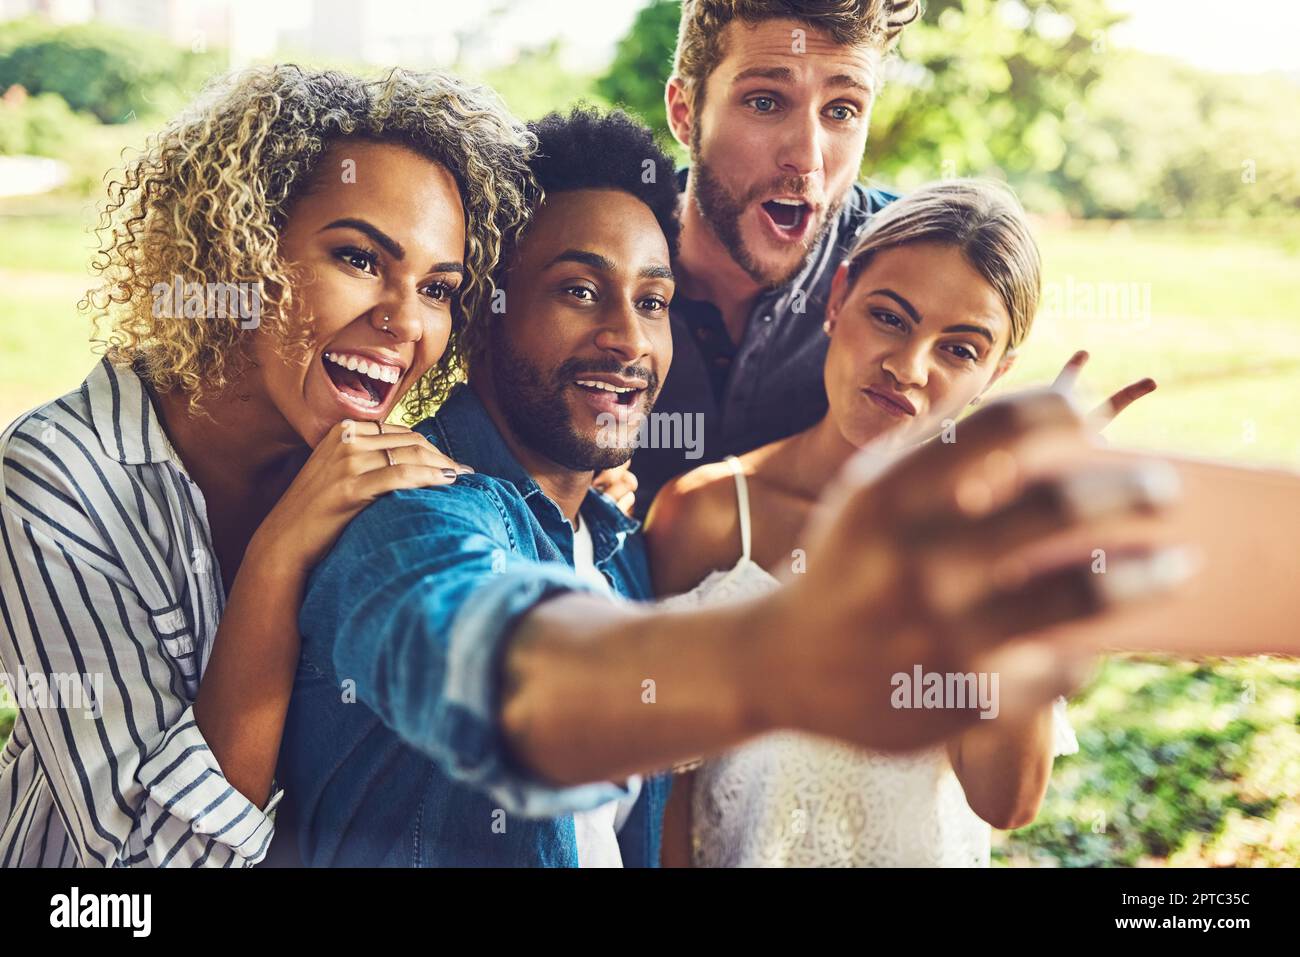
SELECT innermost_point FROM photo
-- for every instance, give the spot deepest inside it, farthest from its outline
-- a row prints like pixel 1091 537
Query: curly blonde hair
pixel 208 195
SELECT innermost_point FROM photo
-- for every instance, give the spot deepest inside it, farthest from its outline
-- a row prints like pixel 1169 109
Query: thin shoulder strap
pixel 742 503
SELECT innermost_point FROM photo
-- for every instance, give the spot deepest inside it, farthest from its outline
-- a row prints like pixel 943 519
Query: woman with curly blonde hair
pixel 281 266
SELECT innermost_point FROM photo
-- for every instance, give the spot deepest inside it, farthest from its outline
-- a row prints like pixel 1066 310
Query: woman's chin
pixel 884 434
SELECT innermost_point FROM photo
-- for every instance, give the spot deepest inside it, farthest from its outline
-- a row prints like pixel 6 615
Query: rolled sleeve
pixel 132 779
pixel 471 740
pixel 186 792
pixel 415 606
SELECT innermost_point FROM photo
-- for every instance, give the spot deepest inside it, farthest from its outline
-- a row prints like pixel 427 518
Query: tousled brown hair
pixel 700 49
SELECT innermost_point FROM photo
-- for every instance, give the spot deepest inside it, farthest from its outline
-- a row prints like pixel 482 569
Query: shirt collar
pixel 463 429
pixel 124 416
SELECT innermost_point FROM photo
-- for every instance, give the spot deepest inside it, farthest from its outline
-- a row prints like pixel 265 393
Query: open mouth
pixel 608 394
pixel 787 214
pixel 360 381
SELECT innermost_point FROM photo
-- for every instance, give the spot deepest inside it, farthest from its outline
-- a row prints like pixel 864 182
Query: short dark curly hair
pixel 588 149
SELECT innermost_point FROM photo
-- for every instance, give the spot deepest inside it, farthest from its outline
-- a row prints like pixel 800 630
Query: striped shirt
pixel 109 585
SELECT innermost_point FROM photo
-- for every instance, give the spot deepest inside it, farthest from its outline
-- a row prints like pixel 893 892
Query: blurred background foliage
pixel 1031 92
pixel 1144 173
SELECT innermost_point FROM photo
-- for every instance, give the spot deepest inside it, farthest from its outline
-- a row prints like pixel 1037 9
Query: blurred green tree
pixel 112 73
pixel 1161 139
pixel 643 63
pixel 1034 92
pixel 981 87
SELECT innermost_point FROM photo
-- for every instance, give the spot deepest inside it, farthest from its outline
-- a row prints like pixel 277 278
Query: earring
pixel 826 327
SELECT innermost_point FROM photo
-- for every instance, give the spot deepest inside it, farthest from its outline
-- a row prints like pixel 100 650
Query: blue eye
pixel 847 111
pixel 755 101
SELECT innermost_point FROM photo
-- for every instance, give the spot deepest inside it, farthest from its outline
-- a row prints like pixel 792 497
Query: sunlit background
pixel 1156 143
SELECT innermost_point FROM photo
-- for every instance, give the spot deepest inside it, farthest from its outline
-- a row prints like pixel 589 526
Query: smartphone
pixel 1242 528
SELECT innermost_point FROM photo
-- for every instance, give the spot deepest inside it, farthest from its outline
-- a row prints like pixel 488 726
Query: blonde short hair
pixel 985 221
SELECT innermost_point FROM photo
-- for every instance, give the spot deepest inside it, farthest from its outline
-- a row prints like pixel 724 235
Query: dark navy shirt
pixel 767 387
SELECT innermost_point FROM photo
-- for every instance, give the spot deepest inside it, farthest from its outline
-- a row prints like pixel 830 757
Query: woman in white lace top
pixel 922 319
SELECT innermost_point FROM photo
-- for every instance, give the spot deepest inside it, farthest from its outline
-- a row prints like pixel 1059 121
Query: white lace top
pixel 789 799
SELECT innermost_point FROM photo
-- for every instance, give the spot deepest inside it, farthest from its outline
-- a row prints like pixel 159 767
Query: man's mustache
pixel 576 368
pixel 796 186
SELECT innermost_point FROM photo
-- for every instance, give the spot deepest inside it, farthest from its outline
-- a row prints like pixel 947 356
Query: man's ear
pixel 839 292
pixel 677 103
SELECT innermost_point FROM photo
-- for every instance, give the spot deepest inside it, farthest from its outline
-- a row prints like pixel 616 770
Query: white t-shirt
pixel 597 830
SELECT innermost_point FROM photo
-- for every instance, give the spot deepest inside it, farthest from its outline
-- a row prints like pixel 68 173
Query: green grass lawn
pixel 1181 762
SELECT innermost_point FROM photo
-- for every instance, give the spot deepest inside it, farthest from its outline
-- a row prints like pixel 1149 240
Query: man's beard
pixel 722 210
pixel 535 404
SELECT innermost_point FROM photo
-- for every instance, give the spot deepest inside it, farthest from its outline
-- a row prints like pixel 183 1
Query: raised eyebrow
pixel 849 82
pixel 389 244
pixel 781 74
pixel 585 257
pixel 978 330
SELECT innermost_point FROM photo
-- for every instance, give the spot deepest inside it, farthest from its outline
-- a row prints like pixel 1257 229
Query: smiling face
pixel 380 260
pixel 918 336
pixel 776 138
pixel 584 342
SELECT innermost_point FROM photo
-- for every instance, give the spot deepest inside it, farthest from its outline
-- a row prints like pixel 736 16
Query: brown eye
pixel 439 291
pixel 358 259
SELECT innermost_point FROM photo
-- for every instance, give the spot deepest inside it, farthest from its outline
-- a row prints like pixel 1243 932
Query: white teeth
pixel 788 202
pixel 374 370
pixel 592 384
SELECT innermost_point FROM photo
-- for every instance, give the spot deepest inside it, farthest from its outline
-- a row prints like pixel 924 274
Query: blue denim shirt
pixel 392 754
